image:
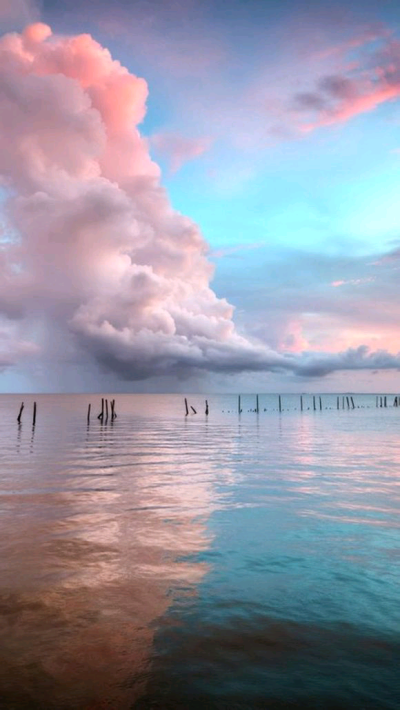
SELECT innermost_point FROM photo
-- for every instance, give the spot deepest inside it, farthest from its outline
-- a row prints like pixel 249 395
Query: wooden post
pixel 257 409
pixel 337 402
pixel 34 414
pixel 106 409
pixel 380 401
pixel 88 413
pixel 187 408
pixel 280 403
pixel 352 402
pixel 206 408
pixel 320 403
pixel 342 402
pixel 301 402
pixel 239 408
pixel 348 403
pixel 101 415
pixel 20 413
pixel 385 401
pixel 314 406
pixel 376 401
pixel 114 413
pixel 194 411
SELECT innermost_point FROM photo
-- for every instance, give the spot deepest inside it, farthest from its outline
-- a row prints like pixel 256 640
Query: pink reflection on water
pixel 98 548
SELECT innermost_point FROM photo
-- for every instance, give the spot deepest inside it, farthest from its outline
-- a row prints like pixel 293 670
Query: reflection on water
pixel 169 562
pixel 99 533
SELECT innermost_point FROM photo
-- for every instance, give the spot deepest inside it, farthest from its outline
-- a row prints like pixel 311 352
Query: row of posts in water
pixel 108 408
pixel 346 401
pixel 103 416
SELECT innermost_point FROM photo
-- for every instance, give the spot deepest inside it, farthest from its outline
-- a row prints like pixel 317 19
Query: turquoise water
pixel 164 561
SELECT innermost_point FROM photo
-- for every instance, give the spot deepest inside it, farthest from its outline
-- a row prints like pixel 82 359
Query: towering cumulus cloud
pixel 92 255
pixel 93 245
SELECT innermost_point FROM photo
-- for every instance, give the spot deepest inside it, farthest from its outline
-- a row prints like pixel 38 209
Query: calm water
pixel 169 562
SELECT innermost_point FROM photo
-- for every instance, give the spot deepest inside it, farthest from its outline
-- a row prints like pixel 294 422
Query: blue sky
pixel 276 127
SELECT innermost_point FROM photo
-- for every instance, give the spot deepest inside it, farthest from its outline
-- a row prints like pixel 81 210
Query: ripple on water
pixel 175 562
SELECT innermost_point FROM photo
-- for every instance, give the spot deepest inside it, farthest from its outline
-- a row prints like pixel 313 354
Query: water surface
pixel 164 561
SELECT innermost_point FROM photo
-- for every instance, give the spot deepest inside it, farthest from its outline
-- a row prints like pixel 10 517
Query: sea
pixel 183 562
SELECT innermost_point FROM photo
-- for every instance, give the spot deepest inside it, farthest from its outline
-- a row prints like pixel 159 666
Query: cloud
pixel 236 250
pixel 322 364
pixel 97 245
pixel 13 349
pixel 179 149
pixel 353 282
pixel 93 252
pixel 337 98
pixel 240 86
pixel 296 308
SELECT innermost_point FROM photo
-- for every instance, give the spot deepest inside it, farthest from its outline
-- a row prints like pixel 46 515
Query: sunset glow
pixel 196 197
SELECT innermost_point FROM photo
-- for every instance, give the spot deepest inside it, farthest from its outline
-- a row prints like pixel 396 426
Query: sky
pixel 199 196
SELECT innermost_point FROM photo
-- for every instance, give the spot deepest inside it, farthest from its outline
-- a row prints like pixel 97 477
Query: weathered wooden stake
pixel 187 408
pixel 337 402
pixel 348 403
pixel 320 403
pixel 257 409
pixel 385 401
pixel 34 414
pixel 380 401
pixel 280 403
pixel 194 411
pixel 342 402
pixel 352 402
pixel 114 413
pixel 239 407
pixel 301 403
pixel 314 405
pixel 206 408
pixel 376 401
pixel 20 413
pixel 101 415
pixel 106 409
pixel 88 413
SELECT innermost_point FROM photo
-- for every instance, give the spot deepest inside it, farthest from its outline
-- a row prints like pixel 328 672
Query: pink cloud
pixel 96 254
pixel 180 149
pixel 236 249
pixel 354 105
pixel 100 254
pixel 336 80
pixel 293 338
pixel 353 282
pixel 340 97
pixel 180 42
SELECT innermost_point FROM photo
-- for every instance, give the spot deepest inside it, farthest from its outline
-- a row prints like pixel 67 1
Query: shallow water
pixel 164 561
